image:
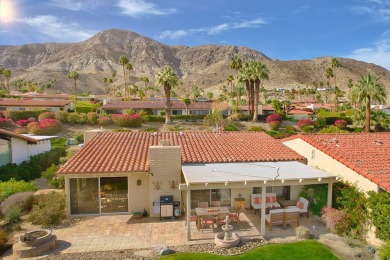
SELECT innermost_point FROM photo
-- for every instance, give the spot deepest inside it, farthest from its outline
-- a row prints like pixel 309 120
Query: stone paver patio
pixel 117 232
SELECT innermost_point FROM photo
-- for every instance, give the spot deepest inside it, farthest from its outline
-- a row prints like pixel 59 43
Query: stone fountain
pixel 227 238
pixel 34 243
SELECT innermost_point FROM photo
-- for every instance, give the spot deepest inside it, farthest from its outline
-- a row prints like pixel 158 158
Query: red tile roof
pixel 368 154
pixel 110 152
pixel 299 112
pixel 43 95
pixel 155 105
pixel 33 103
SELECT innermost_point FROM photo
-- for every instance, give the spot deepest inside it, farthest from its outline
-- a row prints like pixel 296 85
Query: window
pixel 5 152
pixel 199 112
pixel 177 112
pixel 222 195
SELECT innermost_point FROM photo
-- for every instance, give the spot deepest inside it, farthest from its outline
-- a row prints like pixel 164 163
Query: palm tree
pixel 145 80
pixel 2 77
pixel 7 75
pixel 329 74
pixel 335 64
pixel 167 78
pixel 187 103
pixel 129 67
pixel 380 119
pixel 216 116
pixel 368 88
pixel 260 72
pixel 230 79
pixel 74 75
pixel 236 64
pixel 123 60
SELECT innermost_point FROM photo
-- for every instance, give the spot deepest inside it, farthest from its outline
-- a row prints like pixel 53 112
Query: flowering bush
pixel 92 118
pixel 46 115
pixel 304 122
pixel 273 118
pixel 340 124
pixel 83 118
pixel 127 120
pixel 73 118
pixel 61 116
pixel 274 125
pixel 22 122
pixel 104 120
pixel 5 122
pixel 44 127
pixel 21 130
pixel 334 219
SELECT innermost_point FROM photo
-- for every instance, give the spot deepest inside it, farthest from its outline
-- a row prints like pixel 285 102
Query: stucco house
pixel 16 148
pixel 121 173
pixel 156 107
pixel 26 104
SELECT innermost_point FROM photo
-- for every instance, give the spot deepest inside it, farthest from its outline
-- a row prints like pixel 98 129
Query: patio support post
pixel 262 219
pixel 189 215
pixel 330 191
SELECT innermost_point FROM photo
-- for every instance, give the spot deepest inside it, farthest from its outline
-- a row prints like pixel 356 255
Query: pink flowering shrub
pixel 304 122
pixel 274 125
pixel 104 120
pixel 6 122
pixel 273 118
pixel 335 220
pixel 46 115
pixel 44 127
pixel 22 122
pixel 341 124
pixel 127 120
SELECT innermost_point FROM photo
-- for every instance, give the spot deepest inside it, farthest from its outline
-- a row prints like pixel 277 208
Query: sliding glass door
pixel 113 194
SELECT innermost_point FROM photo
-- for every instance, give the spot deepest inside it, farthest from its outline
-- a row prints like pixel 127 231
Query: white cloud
pixel 378 54
pixel 301 9
pixel 52 27
pixel 379 9
pixel 77 5
pixel 213 30
pixel 136 8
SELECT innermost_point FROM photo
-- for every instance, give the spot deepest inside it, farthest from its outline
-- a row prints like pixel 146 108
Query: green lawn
pixel 308 249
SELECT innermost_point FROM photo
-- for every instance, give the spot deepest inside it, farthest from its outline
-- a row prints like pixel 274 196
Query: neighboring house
pixel 16 148
pixel 41 96
pixel 127 172
pixel 157 107
pixel 300 114
pixel 24 105
pixel 262 109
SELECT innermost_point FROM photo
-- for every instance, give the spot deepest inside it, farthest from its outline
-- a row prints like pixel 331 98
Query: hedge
pixel 187 117
pixel 84 109
pixel 154 118
pixel 31 170
pixel 127 120
pixel 17 115
pixel 331 120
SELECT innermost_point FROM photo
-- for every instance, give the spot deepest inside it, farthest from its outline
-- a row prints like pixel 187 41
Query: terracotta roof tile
pixel 366 153
pixel 128 152
pixel 33 103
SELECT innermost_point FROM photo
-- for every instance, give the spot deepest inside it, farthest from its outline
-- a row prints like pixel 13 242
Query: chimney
pixel 165 142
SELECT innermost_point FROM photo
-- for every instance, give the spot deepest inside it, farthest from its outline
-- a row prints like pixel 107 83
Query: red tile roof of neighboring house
pixel 299 112
pixel 154 105
pixel 4 134
pixel 368 154
pixel 110 152
pixel 33 103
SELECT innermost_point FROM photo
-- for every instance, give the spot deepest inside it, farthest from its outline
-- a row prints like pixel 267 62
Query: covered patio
pixel 241 178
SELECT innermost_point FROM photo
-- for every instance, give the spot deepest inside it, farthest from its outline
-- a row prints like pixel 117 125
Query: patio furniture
pixel 291 216
pixel 286 203
pixel 303 206
pixel 270 201
pixel 234 215
pixel 207 220
pixel 221 218
pixel 203 204
pixel 213 211
pixel 215 203
pixel 275 217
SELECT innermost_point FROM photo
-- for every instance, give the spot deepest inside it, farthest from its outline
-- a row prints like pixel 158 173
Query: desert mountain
pixel 206 66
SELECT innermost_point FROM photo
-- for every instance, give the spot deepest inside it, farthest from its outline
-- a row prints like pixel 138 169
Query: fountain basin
pixel 34 243
pixel 220 242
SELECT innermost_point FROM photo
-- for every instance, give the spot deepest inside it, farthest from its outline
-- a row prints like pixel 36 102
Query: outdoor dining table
pixel 210 211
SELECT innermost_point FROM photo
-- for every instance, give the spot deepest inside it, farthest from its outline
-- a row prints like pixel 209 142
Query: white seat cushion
pixel 296 208
pixel 272 211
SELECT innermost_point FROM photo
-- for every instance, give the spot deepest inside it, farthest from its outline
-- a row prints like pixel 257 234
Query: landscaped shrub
pixel 278 134
pixel 22 122
pixel 302 232
pixel 290 128
pixel 151 118
pixel 46 115
pixel 92 118
pixel 334 219
pixel 256 129
pixel 317 195
pixel 21 130
pixel 176 128
pixel 59 142
pixel 127 120
pixel 79 138
pixel 48 209
pixel 304 122
pixel 104 120
pixel 231 127
pixel 319 122
pixel 83 109
pixel 332 129
pixel 384 251
pixel 83 119
pixel 308 129
pixel 17 115
pixel 3 238
pixel 73 118
pixel 150 129
pixel 341 124
pixel 52 179
pixel 6 122
pixel 61 116
pixel 12 186
pixel 12 216
pixel 273 118
pixel 274 125
pixel 45 127
pixel 379 204
pixel 331 120
pixel 186 117
pixel 21 200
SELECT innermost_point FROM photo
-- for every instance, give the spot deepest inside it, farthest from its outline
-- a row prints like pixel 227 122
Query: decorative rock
pixel 302 232
pixel 166 251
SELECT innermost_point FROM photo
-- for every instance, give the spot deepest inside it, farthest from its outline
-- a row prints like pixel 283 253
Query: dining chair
pixel 207 220
pixel 215 203
pixel 203 204
pixel 221 218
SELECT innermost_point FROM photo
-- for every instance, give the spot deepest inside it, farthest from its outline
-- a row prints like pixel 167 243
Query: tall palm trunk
pixel 75 86
pixel 253 95
pixel 256 96
pixel 167 90
pixel 248 91
pixel 368 115
pixel 124 79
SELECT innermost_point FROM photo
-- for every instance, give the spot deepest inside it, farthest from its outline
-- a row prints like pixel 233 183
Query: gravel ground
pixel 153 253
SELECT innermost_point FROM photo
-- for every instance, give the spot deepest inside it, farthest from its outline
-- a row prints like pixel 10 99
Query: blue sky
pixel 285 30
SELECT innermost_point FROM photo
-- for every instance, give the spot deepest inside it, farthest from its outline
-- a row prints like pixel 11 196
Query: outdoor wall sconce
pixel 139 182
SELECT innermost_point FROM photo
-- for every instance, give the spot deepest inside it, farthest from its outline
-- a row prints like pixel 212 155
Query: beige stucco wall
pixel 245 193
pixel 330 165
pixel 294 192
pixel 138 195
pixel 164 168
